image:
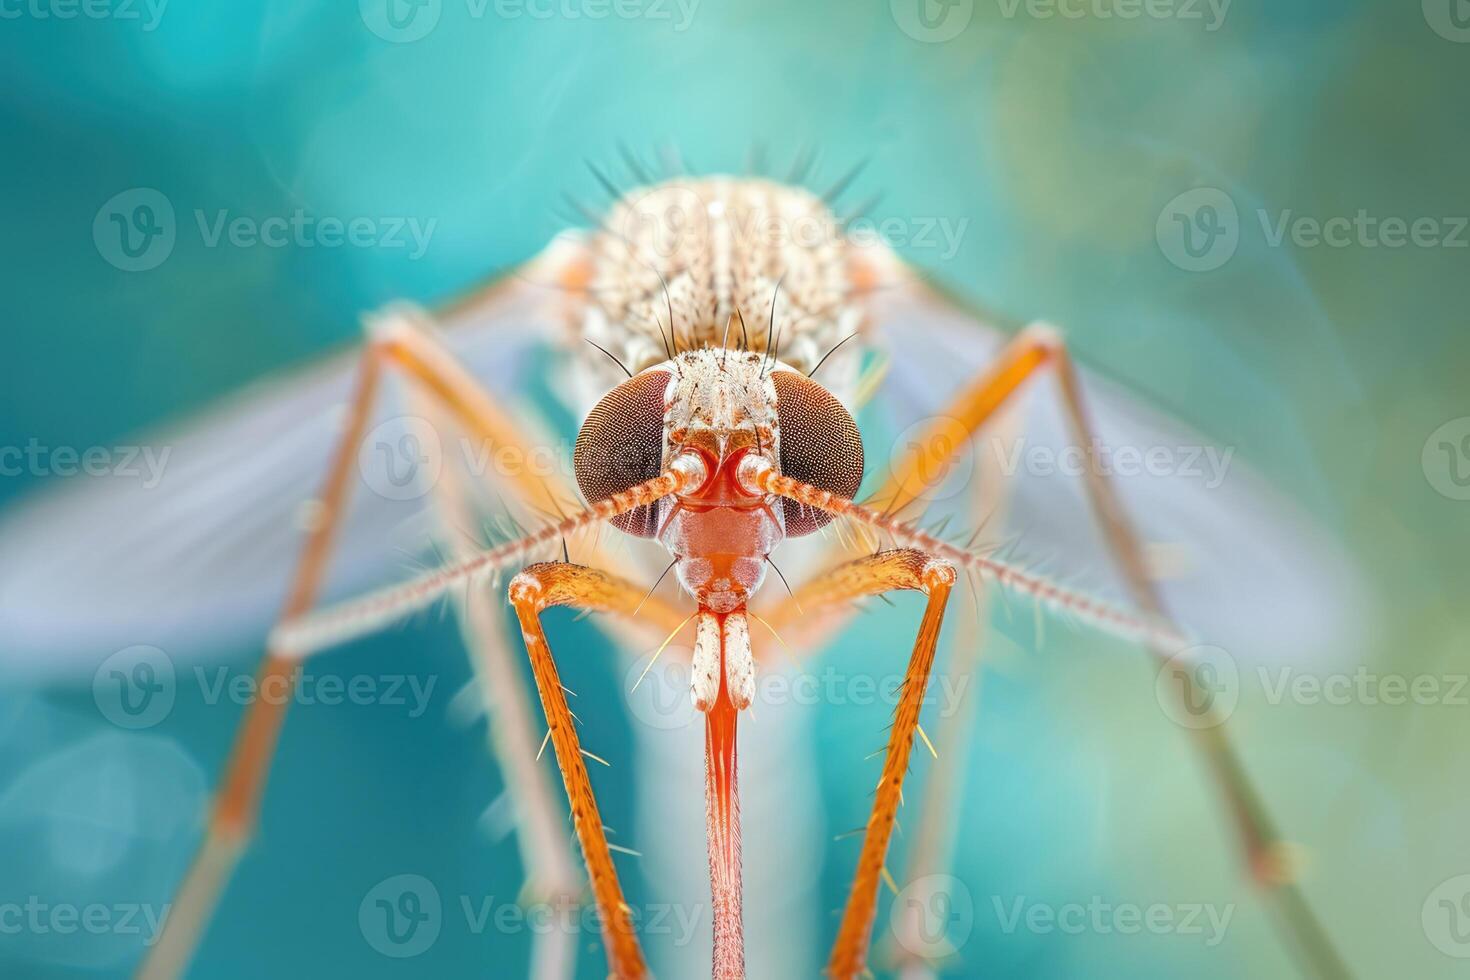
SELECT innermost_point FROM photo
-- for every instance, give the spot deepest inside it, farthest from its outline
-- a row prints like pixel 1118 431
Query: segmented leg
pixel 533 591
pixel 237 800
pixel 1034 349
pixel 396 343
pixel 886 571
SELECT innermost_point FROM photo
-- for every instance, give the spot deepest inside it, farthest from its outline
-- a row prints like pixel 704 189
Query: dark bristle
pixel 771 325
pixel 802 165
pixel 829 353
pixel 614 357
pixel 633 165
pixel 669 303
pixel 843 182
pixel 607 185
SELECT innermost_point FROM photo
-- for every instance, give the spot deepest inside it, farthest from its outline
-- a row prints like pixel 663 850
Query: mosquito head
pixel 724 405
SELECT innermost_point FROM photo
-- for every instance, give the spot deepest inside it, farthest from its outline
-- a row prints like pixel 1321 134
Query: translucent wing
pixel 200 560
pixel 1241 566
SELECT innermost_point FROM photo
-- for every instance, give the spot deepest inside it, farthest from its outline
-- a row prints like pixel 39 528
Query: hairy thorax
pixel 719 262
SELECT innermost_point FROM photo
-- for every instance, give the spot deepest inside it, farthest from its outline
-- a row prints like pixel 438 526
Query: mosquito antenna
pixel 620 363
pixel 824 356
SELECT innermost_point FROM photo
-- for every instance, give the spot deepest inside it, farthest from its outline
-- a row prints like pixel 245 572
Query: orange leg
pixel 884 572
pixel 236 806
pixel 237 801
pixel 533 591
pixel 1033 350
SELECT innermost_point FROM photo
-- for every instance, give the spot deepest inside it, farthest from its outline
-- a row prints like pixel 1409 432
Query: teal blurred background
pixel 1063 140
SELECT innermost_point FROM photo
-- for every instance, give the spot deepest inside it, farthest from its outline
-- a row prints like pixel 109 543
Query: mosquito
pixel 727 328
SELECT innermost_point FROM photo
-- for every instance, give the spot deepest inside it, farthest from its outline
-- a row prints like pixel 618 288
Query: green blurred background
pixel 1061 139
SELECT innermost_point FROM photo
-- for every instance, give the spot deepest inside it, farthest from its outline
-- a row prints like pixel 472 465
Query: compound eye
pixel 820 445
pixel 622 444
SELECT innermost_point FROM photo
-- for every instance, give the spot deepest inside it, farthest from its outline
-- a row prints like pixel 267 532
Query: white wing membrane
pixel 1241 567
pixel 200 561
